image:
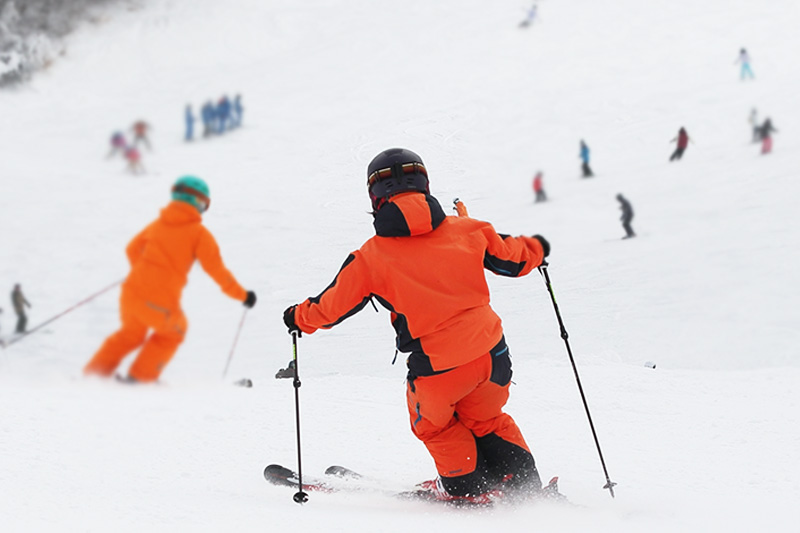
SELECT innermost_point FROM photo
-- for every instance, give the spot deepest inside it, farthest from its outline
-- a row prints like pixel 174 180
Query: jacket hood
pixel 177 213
pixel 408 214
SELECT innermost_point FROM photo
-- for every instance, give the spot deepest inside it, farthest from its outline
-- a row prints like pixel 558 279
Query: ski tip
pixel 341 471
pixel 277 471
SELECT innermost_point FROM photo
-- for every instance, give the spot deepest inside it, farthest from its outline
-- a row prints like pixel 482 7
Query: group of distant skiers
pixel 217 118
pixel 760 132
pixel 130 149
pixel 19 303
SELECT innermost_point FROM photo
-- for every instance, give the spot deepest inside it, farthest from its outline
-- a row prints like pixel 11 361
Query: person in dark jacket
pixel 584 155
pixel 765 132
pixel 683 141
pixel 627 216
pixel 19 302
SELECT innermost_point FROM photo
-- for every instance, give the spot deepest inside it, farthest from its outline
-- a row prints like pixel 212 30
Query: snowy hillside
pixel 708 290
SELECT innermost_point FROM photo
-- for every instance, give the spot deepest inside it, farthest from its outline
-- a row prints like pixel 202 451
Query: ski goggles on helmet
pixel 198 199
pixel 401 177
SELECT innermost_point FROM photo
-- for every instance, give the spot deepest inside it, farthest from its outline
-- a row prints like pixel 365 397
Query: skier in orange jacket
pixel 160 257
pixel 427 269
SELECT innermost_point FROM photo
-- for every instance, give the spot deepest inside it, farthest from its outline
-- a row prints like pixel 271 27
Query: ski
pixel 340 471
pixel 282 476
pixel 286 477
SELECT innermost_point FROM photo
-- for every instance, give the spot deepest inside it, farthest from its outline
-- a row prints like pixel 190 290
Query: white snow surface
pixel 706 441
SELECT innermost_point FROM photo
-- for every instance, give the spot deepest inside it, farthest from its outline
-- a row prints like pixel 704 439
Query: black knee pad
pixel 504 459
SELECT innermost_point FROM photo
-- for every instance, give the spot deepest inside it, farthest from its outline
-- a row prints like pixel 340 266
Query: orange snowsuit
pixel 428 270
pixel 161 257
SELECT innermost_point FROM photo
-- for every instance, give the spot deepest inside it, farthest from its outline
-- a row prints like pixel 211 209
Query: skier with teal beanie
pixel 161 257
pixel 186 189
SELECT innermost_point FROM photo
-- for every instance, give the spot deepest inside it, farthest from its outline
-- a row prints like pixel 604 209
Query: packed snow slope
pixel 708 291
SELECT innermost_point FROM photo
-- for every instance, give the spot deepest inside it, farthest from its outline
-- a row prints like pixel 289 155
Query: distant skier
pixel 765 132
pixel 538 188
pixel 189 119
pixel 134 159
pixel 118 144
pixel 744 60
pixel 530 17
pixel 584 155
pixel 223 114
pixel 627 216
pixel 237 111
pixel 161 257
pixel 209 116
pixel 428 269
pixel 140 129
pixel 19 303
pixel 683 142
pixel 754 125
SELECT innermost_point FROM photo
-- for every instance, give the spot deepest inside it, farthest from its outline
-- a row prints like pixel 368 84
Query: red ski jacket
pixel 683 139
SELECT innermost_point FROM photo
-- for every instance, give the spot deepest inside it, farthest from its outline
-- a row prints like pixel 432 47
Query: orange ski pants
pixel 138 317
pixel 449 410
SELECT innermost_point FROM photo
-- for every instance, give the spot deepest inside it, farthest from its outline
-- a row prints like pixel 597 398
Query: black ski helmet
pixel 394 171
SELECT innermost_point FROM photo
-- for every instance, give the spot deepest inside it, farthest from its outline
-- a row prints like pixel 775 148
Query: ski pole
pixel 59 315
pixel 299 496
pixel 564 335
pixel 235 340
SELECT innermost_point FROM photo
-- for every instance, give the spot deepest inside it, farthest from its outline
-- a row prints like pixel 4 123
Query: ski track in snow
pixel 706 441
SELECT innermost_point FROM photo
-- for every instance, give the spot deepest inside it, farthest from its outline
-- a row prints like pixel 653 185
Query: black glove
pixel 250 301
pixel 288 319
pixel 544 243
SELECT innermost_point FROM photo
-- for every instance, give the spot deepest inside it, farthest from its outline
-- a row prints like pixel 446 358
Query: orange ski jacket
pixel 428 270
pixel 162 254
